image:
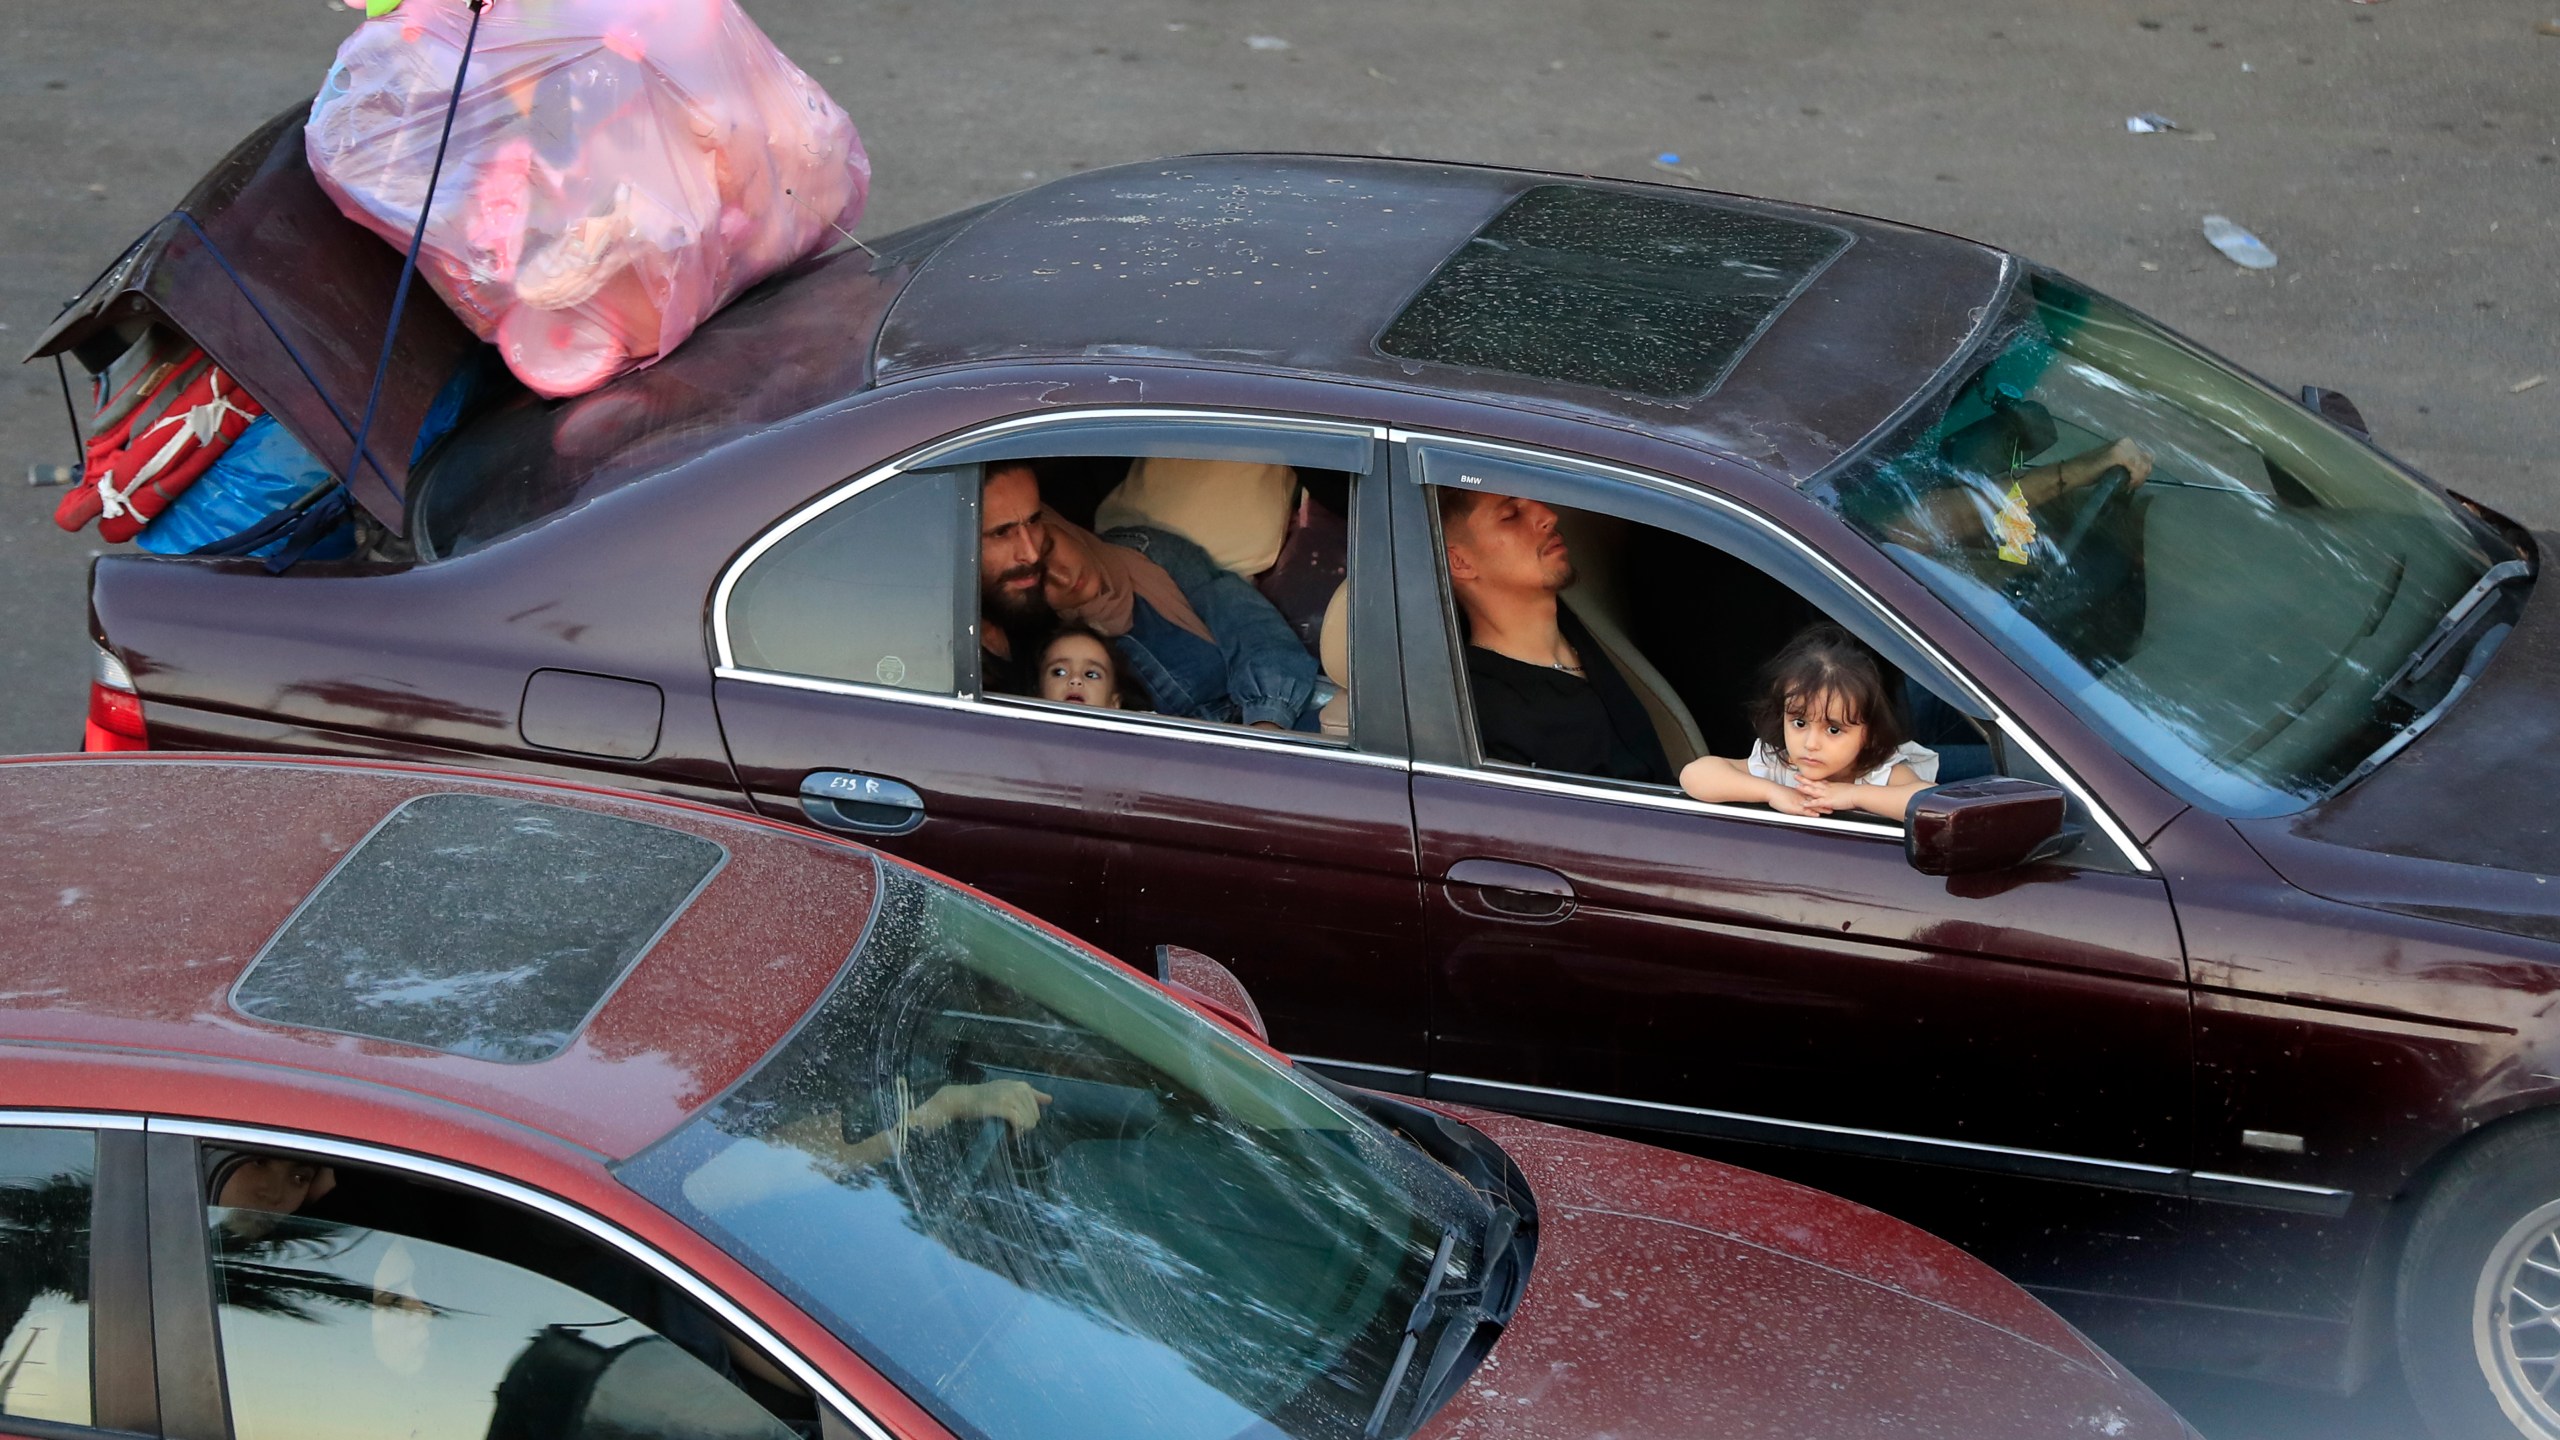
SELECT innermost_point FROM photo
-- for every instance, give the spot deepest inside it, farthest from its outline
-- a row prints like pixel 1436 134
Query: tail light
pixel 115 709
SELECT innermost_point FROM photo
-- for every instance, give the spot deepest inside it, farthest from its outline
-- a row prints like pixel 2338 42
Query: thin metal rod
pixel 417 239
pixel 823 220
pixel 79 442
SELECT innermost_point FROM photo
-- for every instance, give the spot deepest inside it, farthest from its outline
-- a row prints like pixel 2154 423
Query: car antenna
pixel 839 229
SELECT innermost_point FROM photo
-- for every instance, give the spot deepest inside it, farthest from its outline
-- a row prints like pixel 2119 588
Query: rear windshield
pixel 789 346
pixel 1638 293
pixel 477 925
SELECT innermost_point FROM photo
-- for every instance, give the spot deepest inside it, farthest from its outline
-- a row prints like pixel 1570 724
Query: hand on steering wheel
pixel 2119 455
pixel 997 1106
pixel 1013 1102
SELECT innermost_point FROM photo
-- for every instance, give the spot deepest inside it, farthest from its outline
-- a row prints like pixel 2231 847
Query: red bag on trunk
pixel 151 438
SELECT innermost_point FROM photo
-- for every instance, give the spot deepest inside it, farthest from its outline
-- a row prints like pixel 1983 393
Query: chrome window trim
pixel 923 457
pixel 1665 799
pixel 725 656
pixel 934 450
pixel 1206 732
pixel 667 1269
pixel 2009 727
pixel 67 1120
pixel 726 667
pixel 1970 1154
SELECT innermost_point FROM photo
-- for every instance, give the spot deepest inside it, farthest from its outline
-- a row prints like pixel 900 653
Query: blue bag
pixel 264 471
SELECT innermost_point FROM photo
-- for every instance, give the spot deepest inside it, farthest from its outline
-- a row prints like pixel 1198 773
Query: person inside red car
pixel 1545 695
pixel 260 1188
pixel 820 1133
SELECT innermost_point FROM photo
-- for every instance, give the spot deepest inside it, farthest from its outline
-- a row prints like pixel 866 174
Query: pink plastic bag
pixel 619 169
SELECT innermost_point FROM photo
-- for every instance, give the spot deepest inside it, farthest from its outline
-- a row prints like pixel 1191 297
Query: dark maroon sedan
pixel 2208 994
pixel 440 1106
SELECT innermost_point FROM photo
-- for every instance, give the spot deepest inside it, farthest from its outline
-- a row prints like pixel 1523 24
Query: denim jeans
pixel 1257 671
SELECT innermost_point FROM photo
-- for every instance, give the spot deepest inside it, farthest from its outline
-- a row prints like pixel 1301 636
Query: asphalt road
pixel 2402 158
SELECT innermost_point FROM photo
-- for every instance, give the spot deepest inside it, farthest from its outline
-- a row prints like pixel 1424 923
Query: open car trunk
pixel 290 298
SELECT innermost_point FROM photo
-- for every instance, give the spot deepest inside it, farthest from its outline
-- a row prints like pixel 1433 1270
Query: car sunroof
pixel 1634 293
pixel 480 925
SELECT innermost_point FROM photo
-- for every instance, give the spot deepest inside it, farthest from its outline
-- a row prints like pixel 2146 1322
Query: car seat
pixel 1263 521
pixel 1237 510
pixel 1598 600
pixel 1333 652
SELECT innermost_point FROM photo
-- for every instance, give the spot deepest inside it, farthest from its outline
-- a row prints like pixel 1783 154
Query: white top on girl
pixel 1771 765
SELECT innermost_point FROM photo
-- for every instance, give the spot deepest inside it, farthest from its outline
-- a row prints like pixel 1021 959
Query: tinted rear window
pixel 1632 293
pixel 478 925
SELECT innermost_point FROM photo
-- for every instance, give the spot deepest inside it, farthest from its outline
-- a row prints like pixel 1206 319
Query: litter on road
pixel 2238 245
pixel 2148 123
pixel 2525 384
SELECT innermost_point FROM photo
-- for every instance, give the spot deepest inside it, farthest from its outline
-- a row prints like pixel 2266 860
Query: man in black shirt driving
pixel 1544 694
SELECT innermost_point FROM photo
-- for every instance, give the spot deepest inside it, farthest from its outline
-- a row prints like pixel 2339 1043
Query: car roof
pixel 1297 263
pixel 138 890
pixel 1286 265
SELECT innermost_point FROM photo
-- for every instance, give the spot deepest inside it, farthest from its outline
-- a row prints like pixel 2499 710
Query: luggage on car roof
pixel 617 171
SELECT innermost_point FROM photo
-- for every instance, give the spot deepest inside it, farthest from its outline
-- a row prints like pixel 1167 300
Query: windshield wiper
pixel 2481 650
pixel 1437 1301
pixel 1414 1325
pixel 2431 649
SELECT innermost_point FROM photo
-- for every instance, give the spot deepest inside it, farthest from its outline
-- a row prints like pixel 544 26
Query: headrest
pixel 1333 637
pixel 1237 510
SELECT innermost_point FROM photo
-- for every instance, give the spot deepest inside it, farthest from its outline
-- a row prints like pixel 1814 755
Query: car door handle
pixel 1509 890
pixel 860 804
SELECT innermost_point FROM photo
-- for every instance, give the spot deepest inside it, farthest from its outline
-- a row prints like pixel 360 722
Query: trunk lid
pixel 290 298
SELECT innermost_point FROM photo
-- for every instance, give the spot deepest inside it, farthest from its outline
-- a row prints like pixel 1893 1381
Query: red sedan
pixel 366 1101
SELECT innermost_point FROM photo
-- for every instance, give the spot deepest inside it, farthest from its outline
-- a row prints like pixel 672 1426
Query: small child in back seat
pixel 1829 737
pixel 1078 668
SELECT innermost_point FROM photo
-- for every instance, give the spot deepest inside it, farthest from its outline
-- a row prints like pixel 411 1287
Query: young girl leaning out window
pixel 1828 737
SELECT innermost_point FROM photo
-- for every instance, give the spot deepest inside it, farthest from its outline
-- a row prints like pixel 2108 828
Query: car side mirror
pixel 2337 409
pixel 1969 827
pixel 1211 986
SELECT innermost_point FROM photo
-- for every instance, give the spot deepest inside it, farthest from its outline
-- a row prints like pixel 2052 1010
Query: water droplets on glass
pixel 1626 292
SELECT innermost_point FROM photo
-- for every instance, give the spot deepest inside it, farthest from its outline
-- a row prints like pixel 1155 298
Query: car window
pixel 1206 587
pixel 2115 507
pixel 47 1179
pixel 1052 1202
pixel 864 592
pixel 356 1305
pixel 1677 646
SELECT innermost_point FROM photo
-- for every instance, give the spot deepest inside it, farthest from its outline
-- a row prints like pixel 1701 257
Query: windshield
pixel 2229 588
pixel 1189 1242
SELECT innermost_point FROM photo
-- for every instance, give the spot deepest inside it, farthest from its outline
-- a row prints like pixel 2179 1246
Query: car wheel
pixel 2479 1307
